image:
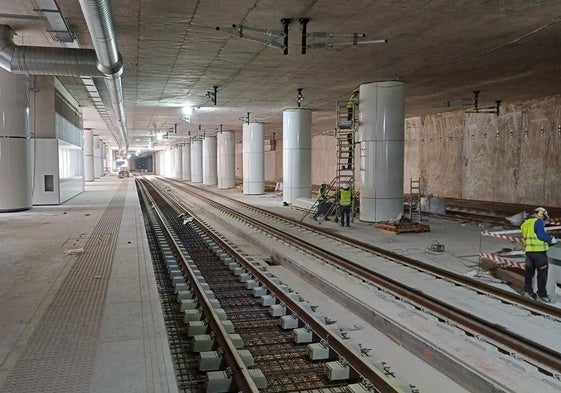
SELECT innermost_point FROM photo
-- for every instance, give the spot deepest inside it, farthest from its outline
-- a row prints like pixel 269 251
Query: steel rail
pixel 241 373
pixel 382 383
pixel 541 356
pixel 481 287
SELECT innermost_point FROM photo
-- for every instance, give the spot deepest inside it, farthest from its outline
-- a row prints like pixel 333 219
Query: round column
pixel 165 163
pixel 88 155
pixel 226 160
pixel 97 156
pixel 102 154
pixel 186 161
pixel 253 159
pixel 168 163
pixel 197 161
pixel 296 154
pixel 209 161
pixel 103 158
pixel 381 137
pixel 109 158
pixel 157 163
pixel 178 161
pixel 15 173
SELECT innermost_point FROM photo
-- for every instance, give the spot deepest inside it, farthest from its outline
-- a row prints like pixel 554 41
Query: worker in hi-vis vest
pixel 351 104
pixel 536 244
pixel 345 196
pixel 323 198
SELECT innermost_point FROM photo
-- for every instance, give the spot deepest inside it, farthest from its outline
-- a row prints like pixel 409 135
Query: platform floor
pixel 79 307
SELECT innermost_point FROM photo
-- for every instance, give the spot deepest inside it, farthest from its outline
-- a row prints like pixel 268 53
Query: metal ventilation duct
pixel 105 61
pixel 34 60
pixel 100 25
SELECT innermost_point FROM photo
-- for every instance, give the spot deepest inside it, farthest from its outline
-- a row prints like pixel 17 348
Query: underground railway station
pixel 295 197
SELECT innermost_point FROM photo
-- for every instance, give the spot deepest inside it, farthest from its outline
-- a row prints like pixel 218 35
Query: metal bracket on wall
pixel 493 109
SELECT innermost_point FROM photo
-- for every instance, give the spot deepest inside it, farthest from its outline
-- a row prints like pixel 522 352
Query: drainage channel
pixel 278 351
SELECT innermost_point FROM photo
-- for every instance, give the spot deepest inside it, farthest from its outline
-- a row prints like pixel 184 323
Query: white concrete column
pixel 15 173
pixel 163 167
pixel 162 154
pixel 253 159
pixel 109 158
pixel 196 161
pixel 209 161
pixel 97 156
pixel 102 154
pixel 225 160
pixel 381 137
pixel 88 155
pixel 168 163
pixel 178 161
pixel 186 161
pixel 156 165
pixel 296 154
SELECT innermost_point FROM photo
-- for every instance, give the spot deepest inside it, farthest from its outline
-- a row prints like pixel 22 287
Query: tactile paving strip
pixel 59 356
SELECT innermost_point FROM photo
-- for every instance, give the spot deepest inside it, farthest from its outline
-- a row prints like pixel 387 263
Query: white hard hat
pixel 541 213
pixel 345 186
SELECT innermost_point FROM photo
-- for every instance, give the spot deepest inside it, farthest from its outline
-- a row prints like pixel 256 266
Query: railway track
pixel 504 337
pixel 275 359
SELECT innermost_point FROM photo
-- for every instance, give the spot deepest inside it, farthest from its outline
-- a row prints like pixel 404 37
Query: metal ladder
pixel 415 200
pixel 346 150
pixel 345 132
pixel 314 207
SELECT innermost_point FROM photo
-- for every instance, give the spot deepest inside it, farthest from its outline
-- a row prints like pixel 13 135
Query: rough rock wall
pixel 324 159
pixel 514 157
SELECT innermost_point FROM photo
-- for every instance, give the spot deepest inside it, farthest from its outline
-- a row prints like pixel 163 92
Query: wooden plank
pixel 403 227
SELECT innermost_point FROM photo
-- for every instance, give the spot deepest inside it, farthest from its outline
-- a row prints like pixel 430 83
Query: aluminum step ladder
pixel 415 200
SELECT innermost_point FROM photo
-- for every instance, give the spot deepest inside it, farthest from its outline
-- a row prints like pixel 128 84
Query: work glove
pixel 554 240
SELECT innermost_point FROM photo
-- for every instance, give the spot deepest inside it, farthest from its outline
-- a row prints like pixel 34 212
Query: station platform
pixel 79 307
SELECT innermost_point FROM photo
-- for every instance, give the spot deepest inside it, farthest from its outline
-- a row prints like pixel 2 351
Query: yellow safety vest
pixel 345 198
pixel 322 197
pixel 531 241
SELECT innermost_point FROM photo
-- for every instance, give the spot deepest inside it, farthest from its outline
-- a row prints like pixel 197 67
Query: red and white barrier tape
pixel 504 235
pixel 502 261
pixel 507 235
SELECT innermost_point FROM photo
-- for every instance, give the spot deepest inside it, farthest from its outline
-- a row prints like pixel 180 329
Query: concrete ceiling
pixel 443 50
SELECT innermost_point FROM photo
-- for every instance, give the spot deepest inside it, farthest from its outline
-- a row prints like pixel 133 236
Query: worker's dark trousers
pixel 536 261
pixel 322 208
pixel 345 215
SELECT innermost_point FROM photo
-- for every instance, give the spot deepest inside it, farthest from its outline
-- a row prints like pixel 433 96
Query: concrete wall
pixel 514 157
pixel 324 158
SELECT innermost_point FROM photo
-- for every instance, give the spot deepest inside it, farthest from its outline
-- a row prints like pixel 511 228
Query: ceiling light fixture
pixel 187 110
